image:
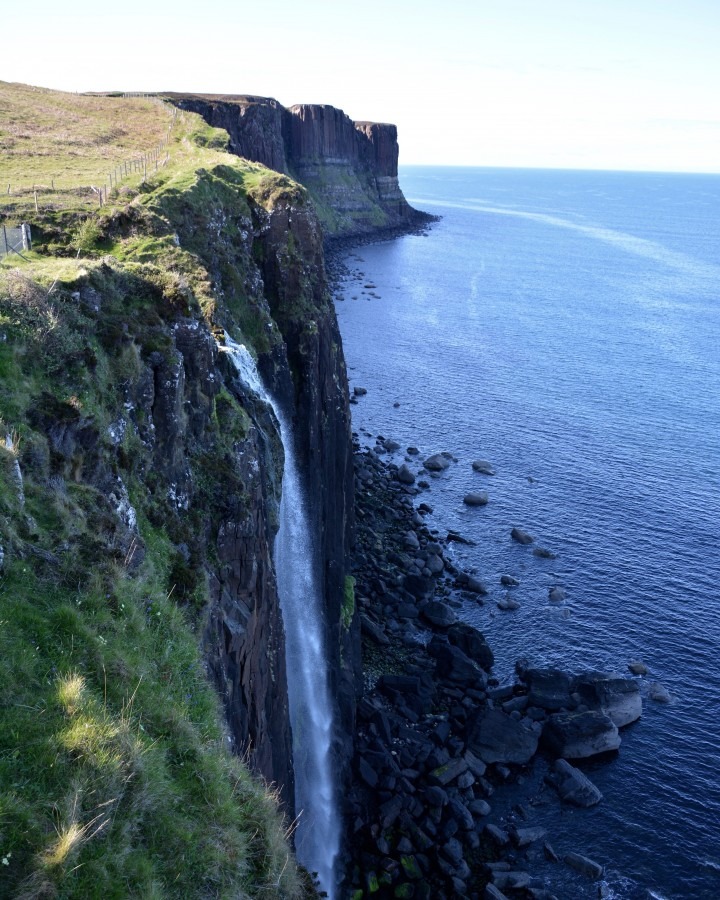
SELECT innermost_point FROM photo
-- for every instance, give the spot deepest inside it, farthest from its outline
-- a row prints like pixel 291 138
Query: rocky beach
pixel 440 742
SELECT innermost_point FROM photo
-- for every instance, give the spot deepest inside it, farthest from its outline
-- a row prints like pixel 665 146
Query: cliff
pixel 139 493
pixel 349 168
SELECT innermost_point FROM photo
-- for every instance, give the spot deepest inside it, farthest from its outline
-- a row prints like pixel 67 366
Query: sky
pixel 590 84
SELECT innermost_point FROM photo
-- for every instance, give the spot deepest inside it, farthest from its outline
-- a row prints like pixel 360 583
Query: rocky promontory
pixel 349 168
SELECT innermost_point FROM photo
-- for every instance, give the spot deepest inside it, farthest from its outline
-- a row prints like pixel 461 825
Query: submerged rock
pixel 476 498
pixel 483 467
pixel 522 537
pixel 584 865
pixel 659 693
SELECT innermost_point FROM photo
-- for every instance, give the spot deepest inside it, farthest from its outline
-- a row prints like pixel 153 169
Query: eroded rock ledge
pixel 350 168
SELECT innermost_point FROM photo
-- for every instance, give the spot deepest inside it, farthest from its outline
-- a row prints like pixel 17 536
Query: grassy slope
pixel 114 779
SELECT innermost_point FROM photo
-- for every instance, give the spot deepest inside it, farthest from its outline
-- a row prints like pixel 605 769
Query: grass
pixel 115 777
pixel 70 140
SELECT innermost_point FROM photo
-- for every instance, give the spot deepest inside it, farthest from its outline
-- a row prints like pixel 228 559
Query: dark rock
pixel 473 644
pixel 367 773
pixel 499 837
pixel 544 553
pixel 493 893
pixel 550 854
pixel 439 614
pixel 476 498
pixel 637 667
pixel 580 735
pixel 659 693
pixel 405 475
pixel 438 462
pixel 617 697
pixel 374 631
pixel 447 773
pixel 483 467
pixel 548 688
pixel 359 391
pixel 556 594
pixel 523 837
pixel 497 738
pixel 453 664
pixel 514 880
pixel 573 786
pixel 419 586
pixel 522 537
pixel 509 581
pixel 584 865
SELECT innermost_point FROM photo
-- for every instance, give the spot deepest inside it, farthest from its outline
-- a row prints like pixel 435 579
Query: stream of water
pixel 317 838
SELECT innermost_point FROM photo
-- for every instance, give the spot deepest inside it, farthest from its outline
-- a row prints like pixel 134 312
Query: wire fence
pixel 14 239
pixel 57 195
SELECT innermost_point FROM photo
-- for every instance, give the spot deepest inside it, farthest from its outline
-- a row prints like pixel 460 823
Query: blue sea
pixel 565 326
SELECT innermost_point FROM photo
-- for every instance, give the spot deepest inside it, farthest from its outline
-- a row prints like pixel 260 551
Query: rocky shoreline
pixel 437 735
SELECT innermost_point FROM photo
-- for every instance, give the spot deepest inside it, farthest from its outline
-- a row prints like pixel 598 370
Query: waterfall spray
pixel 317 838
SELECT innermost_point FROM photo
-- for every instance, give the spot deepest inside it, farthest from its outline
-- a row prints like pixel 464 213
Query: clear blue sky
pixel 628 84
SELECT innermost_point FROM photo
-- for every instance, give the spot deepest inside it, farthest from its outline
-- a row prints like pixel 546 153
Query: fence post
pixel 36 203
pixel 26 239
pixel 5 241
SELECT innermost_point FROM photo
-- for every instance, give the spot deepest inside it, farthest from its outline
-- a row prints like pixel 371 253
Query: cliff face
pixel 350 168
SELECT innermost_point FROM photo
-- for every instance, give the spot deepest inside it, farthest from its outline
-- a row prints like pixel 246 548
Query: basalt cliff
pixel 349 168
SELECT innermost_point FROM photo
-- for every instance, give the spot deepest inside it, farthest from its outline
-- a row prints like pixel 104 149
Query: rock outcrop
pixel 350 168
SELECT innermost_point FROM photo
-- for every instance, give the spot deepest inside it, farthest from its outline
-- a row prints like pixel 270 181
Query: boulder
pixel 579 735
pixel 659 693
pixel 544 553
pixel 498 738
pixel 419 586
pixel 573 786
pixel 438 614
pixel 475 586
pixel 548 688
pixel 615 696
pixel 637 667
pixel 435 564
pixel 523 837
pixel 438 462
pixel 507 603
pixel 556 594
pixel 476 498
pixel 405 475
pixel 472 643
pixel 374 631
pixel 509 581
pixel 454 665
pixel 522 537
pixel 359 391
pixel 584 865
pixel 483 467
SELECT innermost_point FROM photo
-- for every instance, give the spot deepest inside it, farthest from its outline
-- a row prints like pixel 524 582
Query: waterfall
pixel 317 838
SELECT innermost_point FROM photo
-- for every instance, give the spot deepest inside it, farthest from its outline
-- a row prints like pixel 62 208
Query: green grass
pixel 115 778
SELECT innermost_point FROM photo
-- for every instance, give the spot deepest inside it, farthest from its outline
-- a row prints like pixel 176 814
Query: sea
pixel 565 327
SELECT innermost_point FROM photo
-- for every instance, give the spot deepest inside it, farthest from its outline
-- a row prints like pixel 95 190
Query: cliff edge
pixel 349 168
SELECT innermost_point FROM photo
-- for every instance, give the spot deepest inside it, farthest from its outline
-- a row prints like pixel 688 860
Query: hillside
pixel 141 653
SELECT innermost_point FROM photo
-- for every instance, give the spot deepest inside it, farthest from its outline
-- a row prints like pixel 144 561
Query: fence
pixel 14 240
pixel 140 164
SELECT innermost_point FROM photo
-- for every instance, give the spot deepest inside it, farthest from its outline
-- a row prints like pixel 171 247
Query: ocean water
pixel 565 326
